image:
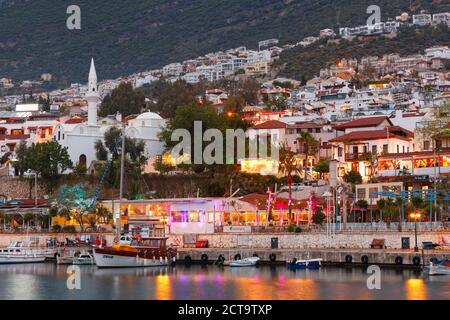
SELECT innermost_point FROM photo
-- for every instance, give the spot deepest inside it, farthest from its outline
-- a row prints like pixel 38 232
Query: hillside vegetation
pixel 130 36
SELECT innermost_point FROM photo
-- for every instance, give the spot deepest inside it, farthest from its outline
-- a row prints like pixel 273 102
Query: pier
pixel 343 257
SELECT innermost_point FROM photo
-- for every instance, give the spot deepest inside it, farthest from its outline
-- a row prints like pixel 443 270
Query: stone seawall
pixel 353 240
pixel 19 188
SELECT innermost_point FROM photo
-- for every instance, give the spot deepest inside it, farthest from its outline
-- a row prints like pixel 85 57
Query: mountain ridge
pixel 132 36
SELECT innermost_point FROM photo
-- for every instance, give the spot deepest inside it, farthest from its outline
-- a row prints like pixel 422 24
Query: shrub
pixel 298 229
pixel 56 228
pixel 319 217
pixel 291 228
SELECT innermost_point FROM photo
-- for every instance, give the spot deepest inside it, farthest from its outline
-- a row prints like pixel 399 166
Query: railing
pixel 393 226
pixel 362 156
pixel 353 227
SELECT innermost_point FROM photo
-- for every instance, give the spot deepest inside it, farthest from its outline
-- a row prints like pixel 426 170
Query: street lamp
pixel 415 216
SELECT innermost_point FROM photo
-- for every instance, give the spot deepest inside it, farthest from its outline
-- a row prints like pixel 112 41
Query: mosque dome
pixel 149 116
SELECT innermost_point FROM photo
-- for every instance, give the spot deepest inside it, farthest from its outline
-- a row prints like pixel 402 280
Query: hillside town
pixel 360 131
pixel 314 169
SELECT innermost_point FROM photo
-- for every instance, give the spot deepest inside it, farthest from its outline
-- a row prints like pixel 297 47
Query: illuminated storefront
pixel 204 215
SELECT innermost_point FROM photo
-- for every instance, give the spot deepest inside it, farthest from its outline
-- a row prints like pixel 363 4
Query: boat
pixel 246 262
pixel 439 268
pixel 305 264
pixel 147 252
pixel 77 259
pixel 18 252
pixel 84 259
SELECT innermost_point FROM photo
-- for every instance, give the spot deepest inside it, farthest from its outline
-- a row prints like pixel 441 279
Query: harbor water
pixel 49 281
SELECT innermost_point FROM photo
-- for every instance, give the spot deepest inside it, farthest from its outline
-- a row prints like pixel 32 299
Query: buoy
pixel 348 259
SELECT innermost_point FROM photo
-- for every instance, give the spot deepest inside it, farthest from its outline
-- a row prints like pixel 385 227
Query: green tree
pixel 353 177
pixel 48 160
pixel 322 167
pixel 318 217
pixel 123 99
pixel 74 202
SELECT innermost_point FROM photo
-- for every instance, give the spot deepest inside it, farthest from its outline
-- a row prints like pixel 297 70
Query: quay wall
pixel 354 240
pixel 348 240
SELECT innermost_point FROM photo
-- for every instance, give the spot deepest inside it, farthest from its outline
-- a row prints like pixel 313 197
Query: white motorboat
pixel 439 268
pixel 18 252
pixel 84 259
pixel 246 262
pixel 77 259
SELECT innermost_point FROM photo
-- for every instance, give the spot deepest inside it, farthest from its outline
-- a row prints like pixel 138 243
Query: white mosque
pixel 80 138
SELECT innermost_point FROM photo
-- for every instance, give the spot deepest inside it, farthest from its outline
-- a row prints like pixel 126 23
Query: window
pixel 398 149
pixel 59 135
pixel 374 149
pixel 385 148
pixel 339 152
pixel 361 193
pixel 426 145
pixel 372 193
pixel 317 130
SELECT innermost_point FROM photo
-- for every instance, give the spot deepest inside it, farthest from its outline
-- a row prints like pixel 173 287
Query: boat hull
pixel 21 259
pixel 117 260
pixel 249 262
pixel 312 264
pixel 442 268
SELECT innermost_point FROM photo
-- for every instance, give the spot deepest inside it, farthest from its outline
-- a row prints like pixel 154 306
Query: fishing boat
pixel 305 264
pixel 18 252
pixel 439 268
pixel 246 262
pixel 147 252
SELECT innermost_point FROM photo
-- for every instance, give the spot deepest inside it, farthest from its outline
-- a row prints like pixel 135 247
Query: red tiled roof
pixel 363 122
pixel 271 124
pixel 75 120
pixel 367 135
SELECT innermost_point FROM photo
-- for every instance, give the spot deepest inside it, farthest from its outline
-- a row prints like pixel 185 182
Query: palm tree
pixel 289 165
pixel 381 204
pixel 308 145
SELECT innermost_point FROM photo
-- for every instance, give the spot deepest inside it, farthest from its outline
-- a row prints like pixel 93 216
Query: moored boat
pixel 305 264
pixel 439 268
pixel 246 262
pixel 18 252
pixel 148 252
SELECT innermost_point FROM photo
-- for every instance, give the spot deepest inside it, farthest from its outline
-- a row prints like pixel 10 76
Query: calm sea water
pixel 48 281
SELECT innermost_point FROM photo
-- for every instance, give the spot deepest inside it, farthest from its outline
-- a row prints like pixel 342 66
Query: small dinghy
pixel 439 268
pixel 305 264
pixel 246 262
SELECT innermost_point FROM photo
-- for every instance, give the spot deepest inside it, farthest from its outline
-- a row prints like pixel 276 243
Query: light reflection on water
pixel 48 281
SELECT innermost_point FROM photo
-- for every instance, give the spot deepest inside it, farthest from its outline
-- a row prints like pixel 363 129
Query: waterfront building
pixel 209 215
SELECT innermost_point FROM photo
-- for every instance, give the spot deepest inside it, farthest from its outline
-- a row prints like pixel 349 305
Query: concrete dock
pixel 356 257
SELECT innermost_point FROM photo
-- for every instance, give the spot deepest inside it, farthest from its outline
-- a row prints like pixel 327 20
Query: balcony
pixel 360 156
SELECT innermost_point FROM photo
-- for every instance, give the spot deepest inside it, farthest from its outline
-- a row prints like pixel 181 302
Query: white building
pixel 443 17
pixel 80 138
pixel 422 19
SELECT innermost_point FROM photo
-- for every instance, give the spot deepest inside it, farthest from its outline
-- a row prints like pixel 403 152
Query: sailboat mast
pixel 122 165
